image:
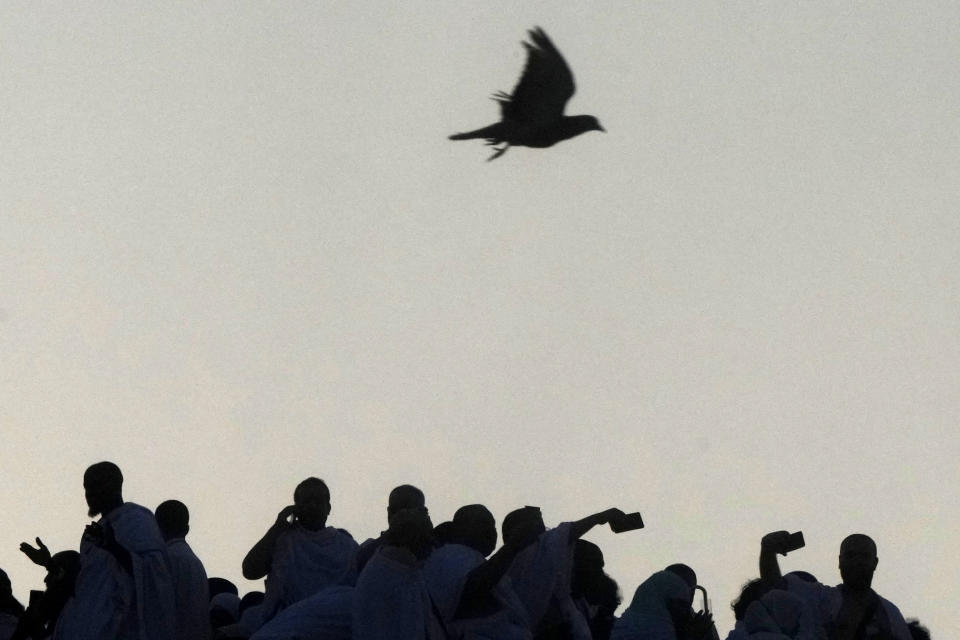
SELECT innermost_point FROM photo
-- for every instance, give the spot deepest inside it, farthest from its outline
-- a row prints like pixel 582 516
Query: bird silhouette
pixel 532 116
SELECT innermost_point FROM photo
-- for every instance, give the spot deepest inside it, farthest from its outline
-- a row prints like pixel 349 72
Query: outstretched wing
pixel 545 85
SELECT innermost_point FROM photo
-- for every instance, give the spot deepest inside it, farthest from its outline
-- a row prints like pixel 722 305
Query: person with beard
pixel 124 590
pixel 850 611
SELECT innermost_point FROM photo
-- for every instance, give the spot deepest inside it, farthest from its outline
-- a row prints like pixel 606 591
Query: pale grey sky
pixel 237 249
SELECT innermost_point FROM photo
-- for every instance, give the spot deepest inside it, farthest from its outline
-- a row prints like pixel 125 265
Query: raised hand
pixel 775 542
pixel 283 518
pixel 38 555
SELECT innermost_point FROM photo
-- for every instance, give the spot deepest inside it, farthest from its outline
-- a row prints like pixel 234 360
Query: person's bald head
pixel 528 519
pixel 858 561
pixel 406 496
pixel 173 518
pixel 475 527
pixel 312 501
pixel 103 487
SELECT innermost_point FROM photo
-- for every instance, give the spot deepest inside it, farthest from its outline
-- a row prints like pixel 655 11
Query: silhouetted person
pixel 406 496
pixel 851 610
pixel 299 555
pixel 532 116
pixel 40 618
pixel 191 589
pixel 10 608
pixel 659 610
pixel 391 601
pixel 750 591
pixel 541 573
pixel 595 594
pixel 124 590
pixel 697 624
pixel 469 590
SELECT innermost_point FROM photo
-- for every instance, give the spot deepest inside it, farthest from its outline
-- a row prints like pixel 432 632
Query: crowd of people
pixel 136 578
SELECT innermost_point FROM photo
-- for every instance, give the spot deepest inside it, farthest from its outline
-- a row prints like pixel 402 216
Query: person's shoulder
pixel 893 612
pixel 344 535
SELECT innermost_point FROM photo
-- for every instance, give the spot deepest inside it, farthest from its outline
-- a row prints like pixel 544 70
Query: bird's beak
pixel 600 128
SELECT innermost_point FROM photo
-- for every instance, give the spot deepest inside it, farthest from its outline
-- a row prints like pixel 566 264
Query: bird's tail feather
pixel 490 132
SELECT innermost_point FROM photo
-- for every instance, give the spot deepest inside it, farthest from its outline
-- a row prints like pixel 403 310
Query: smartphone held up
pixel 627 522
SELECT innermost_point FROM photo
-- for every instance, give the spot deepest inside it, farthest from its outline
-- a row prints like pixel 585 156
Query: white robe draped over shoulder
pixel 446 572
pixel 648 616
pixel 824 602
pixel 779 615
pixel 304 563
pixel 541 574
pixel 391 601
pixel 110 603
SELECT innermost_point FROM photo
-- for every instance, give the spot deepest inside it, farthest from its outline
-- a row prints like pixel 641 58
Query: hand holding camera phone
pixel 626 522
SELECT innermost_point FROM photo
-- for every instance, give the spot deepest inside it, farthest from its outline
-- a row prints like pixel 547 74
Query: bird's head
pixel 582 124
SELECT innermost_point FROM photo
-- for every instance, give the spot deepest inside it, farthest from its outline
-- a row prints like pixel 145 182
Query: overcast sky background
pixel 237 249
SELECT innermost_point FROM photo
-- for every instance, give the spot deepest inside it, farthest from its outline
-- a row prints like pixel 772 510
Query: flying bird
pixel 532 116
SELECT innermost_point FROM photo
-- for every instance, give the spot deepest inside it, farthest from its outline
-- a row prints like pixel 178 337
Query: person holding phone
pixel 849 611
pixel 299 554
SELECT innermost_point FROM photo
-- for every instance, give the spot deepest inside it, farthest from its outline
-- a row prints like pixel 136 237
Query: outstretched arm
pixel 580 527
pixel 259 559
pixel 770 545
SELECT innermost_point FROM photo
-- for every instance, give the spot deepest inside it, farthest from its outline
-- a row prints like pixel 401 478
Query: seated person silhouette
pixel 41 615
pixel 472 594
pixel 124 589
pixel 391 601
pixel 406 496
pixel 299 554
pixel 850 611
pixel 190 586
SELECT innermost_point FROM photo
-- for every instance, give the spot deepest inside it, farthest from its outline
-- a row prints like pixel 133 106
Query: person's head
pixel 523 519
pixel 217 585
pixel 589 579
pixel 250 599
pixel 689 575
pixel 474 526
pixel 173 518
pixel 858 561
pixel 749 593
pixel 62 571
pixel 406 496
pixel 103 487
pixel 312 501
pixel 411 529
